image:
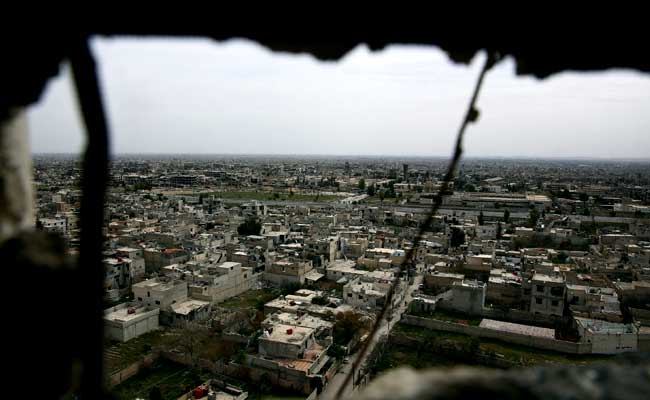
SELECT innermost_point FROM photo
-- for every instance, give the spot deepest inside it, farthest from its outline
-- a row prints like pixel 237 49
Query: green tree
pixel 584 197
pixel 533 216
pixel 362 184
pixel 586 211
pixel 349 324
pixel 249 227
pixel 457 237
pixel 371 190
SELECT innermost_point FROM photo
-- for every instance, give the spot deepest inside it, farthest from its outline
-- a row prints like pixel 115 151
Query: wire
pixel 470 116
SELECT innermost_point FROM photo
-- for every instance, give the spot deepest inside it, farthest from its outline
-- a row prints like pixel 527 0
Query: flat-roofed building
pixel 160 292
pixel 468 297
pixel 607 337
pixel 127 321
pixel 547 294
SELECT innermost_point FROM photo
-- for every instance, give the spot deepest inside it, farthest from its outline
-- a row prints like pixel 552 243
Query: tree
pixel 506 216
pixel 533 216
pixel 249 227
pixel 499 232
pixel 584 197
pixel 371 190
pixel 481 218
pixel 189 338
pixel 362 184
pixel 457 237
pixel 586 211
pixel 349 324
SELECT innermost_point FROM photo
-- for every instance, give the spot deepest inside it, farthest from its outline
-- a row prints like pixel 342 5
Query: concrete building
pixel 137 270
pixel 547 294
pixel 286 271
pixel 594 302
pixel 468 297
pixel 321 327
pixel 439 281
pixel 480 262
pixel 504 288
pixel 160 292
pixel 126 321
pixel 221 282
pixel 286 341
pixel 343 269
pixel 607 337
pixel 190 310
pixel 364 295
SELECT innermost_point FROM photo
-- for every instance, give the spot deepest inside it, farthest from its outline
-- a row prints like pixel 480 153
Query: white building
pixel 221 282
pixel 160 292
pixel 607 337
pixel 124 322
pixel 365 295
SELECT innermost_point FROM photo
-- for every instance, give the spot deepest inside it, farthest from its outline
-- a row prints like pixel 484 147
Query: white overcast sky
pixel 201 96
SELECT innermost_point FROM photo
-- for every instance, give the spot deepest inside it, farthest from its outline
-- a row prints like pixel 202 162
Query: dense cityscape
pixel 261 277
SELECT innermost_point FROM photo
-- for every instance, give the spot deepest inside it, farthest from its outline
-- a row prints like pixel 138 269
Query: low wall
pixel 524 340
pixel 125 373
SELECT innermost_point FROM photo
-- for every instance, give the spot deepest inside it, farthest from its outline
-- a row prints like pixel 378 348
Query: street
pixel 386 325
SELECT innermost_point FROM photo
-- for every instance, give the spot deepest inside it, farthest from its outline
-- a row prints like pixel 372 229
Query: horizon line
pixel 508 157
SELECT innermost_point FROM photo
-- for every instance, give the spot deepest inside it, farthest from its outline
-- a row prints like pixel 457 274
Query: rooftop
pixel 521 329
pixel 288 334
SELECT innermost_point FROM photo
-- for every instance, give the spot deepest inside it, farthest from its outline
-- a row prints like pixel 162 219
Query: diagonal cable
pixel 471 115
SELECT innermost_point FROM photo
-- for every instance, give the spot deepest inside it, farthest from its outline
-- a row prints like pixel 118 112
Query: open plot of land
pixel 249 299
pixel 171 378
pixel 522 355
pixel 119 355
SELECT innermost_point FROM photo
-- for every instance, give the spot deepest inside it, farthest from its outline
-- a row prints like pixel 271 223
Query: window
pixel 557 291
pixel 158 302
pixel 139 298
pixel 538 300
pixel 526 291
pixel 540 288
pixel 148 294
pixel 349 294
pixel 554 303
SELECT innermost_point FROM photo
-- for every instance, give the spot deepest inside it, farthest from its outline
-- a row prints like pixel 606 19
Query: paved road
pixel 387 324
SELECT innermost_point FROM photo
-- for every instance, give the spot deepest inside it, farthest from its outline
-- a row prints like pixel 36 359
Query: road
pixel 329 393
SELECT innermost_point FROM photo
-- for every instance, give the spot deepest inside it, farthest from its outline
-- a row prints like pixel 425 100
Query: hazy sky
pixel 200 96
